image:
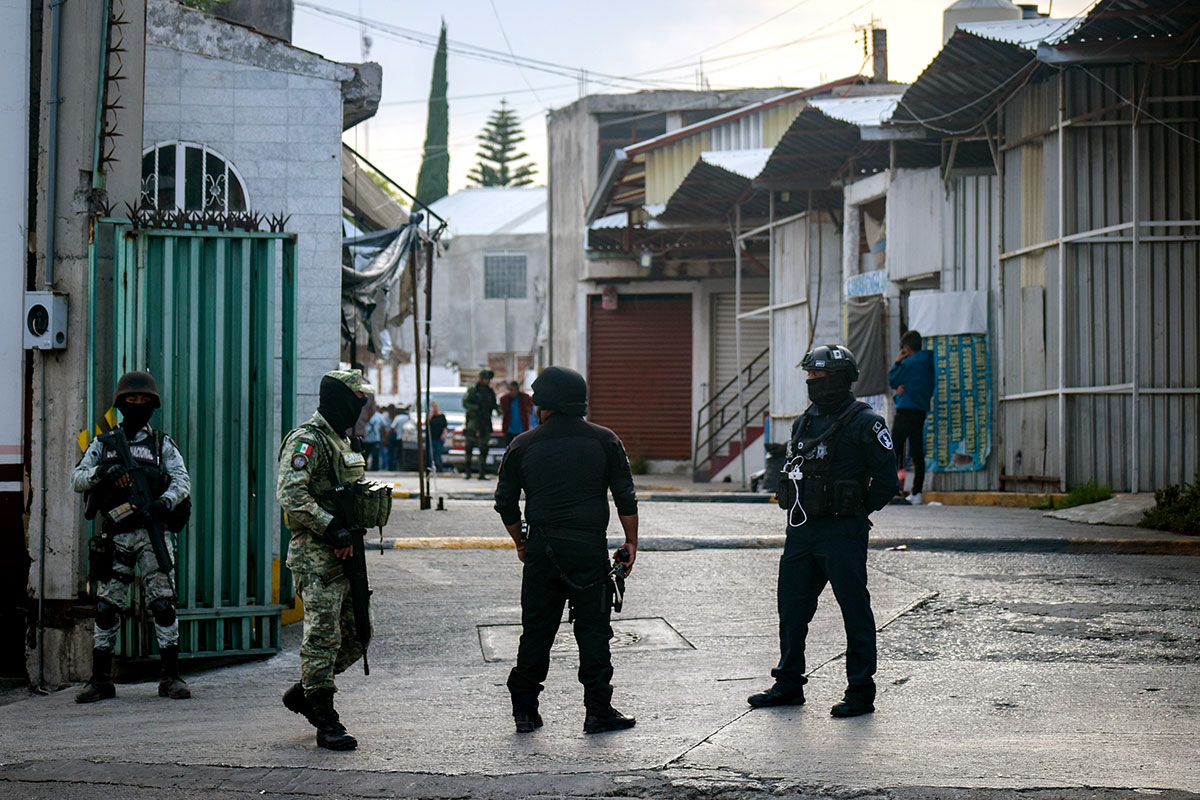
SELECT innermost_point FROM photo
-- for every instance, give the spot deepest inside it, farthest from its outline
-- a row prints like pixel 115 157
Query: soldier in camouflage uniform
pixel 101 472
pixel 313 458
pixel 479 403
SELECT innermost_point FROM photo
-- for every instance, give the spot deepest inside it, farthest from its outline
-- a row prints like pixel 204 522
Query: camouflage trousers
pixel 329 647
pixel 134 554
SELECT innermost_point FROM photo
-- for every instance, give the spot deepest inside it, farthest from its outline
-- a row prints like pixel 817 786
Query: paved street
pixel 1033 673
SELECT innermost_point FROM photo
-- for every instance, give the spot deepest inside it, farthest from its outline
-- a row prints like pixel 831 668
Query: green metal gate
pixel 211 314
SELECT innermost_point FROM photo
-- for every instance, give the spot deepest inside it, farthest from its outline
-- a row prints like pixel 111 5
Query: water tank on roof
pixel 976 11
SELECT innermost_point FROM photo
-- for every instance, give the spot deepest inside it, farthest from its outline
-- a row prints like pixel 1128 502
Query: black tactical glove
pixel 109 473
pixel 157 511
pixel 337 536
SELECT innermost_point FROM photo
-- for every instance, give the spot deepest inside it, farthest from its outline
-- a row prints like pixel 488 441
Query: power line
pixel 503 33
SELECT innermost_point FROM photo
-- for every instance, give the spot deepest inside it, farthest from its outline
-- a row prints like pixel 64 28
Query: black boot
pixel 777 695
pixel 100 687
pixel 297 703
pixel 853 706
pixel 331 734
pixel 169 683
pixel 607 720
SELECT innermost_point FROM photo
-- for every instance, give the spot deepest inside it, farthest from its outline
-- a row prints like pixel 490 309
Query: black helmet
pixel 561 389
pixel 832 358
pixel 137 383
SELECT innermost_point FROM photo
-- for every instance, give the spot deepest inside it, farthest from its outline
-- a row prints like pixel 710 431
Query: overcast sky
pixel 624 45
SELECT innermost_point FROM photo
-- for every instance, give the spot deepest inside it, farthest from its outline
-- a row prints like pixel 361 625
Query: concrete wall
pixel 56 531
pixel 275 112
pixel 468 325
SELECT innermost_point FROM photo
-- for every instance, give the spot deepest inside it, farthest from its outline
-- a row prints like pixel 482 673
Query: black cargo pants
pixel 544 592
pixel 832 550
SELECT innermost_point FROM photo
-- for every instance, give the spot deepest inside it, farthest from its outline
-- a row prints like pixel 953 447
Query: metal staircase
pixel 725 427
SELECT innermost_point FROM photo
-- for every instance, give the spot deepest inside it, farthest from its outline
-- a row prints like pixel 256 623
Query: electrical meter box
pixel 45 321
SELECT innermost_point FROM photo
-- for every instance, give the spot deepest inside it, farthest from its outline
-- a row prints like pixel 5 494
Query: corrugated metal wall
pixel 795 276
pixel 1122 319
pixel 972 264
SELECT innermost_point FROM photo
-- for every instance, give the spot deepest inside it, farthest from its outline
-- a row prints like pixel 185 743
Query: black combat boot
pixel 100 687
pixel 297 703
pixel 777 695
pixel 331 733
pixel 853 706
pixel 605 720
pixel 169 683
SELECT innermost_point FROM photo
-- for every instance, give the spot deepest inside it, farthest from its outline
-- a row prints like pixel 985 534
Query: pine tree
pixel 497 154
pixel 433 182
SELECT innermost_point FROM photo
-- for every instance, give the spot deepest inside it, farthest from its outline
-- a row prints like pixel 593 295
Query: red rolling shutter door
pixel 640 373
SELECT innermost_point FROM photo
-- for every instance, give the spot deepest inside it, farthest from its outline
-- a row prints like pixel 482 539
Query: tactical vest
pixel 148 455
pixel 372 501
pixel 810 464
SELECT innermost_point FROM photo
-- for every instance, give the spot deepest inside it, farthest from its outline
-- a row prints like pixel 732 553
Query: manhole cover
pixel 499 642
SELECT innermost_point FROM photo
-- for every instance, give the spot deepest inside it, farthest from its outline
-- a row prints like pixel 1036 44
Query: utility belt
pixel 569 534
pixel 821 498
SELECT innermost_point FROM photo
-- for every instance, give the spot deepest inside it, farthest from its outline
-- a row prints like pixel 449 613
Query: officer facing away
pixel 566 466
pixel 315 457
pixel 123 544
pixel 840 467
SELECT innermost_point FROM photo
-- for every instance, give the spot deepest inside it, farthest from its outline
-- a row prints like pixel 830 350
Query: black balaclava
pixel 339 405
pixel 829 392
pixel 134 416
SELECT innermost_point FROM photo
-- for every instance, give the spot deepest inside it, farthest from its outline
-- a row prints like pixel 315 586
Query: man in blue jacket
pixel 912 377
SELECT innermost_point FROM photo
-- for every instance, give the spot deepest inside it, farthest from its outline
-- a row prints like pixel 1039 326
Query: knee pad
pixel 163 609
pixel 108 615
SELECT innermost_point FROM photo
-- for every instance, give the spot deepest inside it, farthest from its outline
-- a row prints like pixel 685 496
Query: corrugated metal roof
pixel 747 163
pixel 1026 33
pixel 484 211
pixel 860 111
pixel 1125 19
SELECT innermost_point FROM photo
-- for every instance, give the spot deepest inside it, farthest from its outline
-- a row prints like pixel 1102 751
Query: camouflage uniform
pixel 312 459
pixel 479 403
pixel 134 553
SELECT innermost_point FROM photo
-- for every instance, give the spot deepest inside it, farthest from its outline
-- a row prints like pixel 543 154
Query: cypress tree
pixel 433 182
pixel 497 153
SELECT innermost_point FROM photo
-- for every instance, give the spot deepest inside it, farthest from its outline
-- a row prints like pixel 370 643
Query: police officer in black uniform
pixel 840 467
pixel 566 467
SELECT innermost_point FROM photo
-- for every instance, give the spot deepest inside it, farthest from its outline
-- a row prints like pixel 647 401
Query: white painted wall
pixel 916 212
pixel 14 139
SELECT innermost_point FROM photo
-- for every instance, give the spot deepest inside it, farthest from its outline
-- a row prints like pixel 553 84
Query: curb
pixel 1075 546
pixel 649 497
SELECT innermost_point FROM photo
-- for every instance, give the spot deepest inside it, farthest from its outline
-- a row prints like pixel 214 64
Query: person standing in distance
pixel 480 403
pixel 912 376
pixel 840 467
pixel 515 410
pixel 102 473
pixel 313 458
pixel 566 467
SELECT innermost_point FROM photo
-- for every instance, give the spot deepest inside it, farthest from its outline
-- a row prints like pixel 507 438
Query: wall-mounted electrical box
pixel 45 321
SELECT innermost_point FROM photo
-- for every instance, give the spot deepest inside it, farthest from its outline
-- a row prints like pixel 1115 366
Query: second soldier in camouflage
pixel 315 457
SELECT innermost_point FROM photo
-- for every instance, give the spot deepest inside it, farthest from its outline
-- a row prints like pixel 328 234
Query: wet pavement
pixel 1040 674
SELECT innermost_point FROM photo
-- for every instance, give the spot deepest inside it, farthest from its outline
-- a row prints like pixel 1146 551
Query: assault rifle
pixel 141 497
pixel 355 568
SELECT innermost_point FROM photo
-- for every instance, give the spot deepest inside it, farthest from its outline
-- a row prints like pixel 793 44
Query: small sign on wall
pixel 608 298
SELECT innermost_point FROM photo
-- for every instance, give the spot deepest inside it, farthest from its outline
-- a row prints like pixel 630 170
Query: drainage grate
pixel 499 642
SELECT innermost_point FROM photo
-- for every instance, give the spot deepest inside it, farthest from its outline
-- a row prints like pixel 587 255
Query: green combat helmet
pixel 137 383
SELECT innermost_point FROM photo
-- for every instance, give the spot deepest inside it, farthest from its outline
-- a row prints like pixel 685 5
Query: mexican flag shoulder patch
pixel 304 448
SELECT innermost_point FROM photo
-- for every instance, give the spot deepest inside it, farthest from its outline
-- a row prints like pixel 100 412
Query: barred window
pixel 503 275
pixel 190 177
